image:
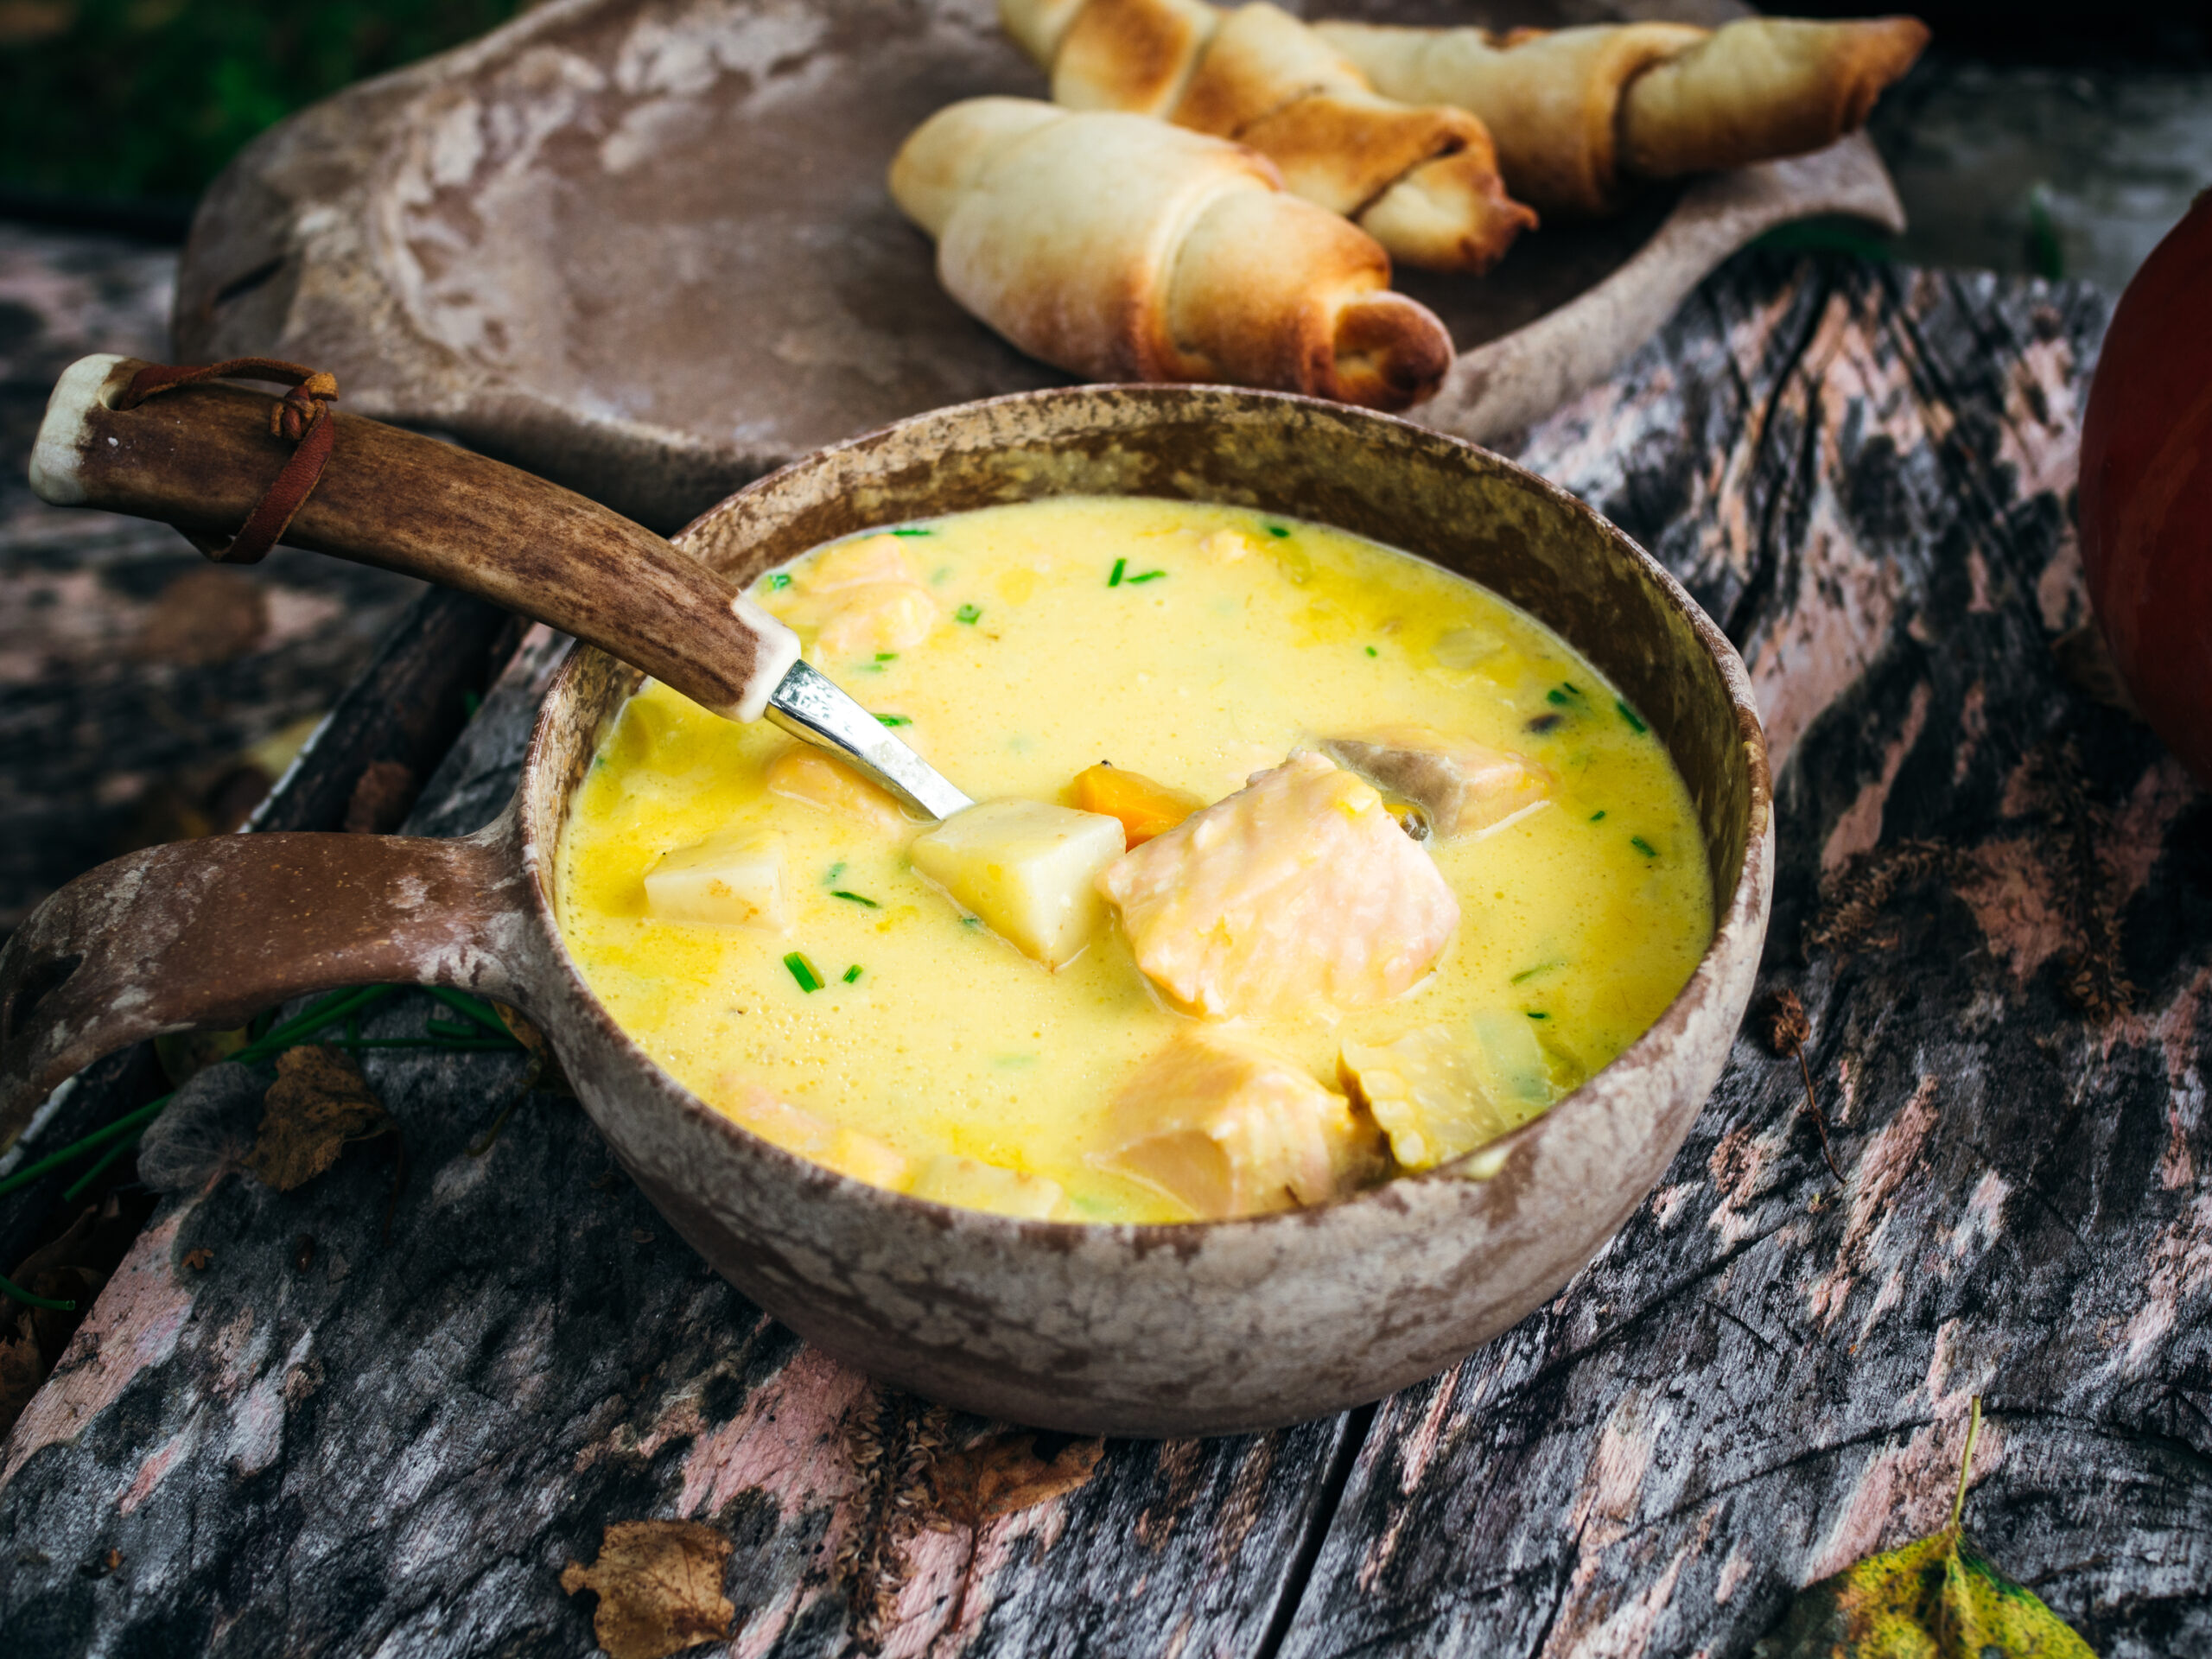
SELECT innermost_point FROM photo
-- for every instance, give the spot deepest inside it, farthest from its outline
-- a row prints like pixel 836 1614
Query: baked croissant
pixel 1574 110
pixel 1424 182
pixel 1125 249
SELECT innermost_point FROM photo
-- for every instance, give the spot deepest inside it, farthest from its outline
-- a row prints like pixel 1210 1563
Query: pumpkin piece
pixel 736 880
pixel 1229 1128
pixel 1145 809
pixel 1298 895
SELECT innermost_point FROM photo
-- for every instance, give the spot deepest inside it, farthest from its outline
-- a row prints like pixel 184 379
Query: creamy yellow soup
pixel 1197 645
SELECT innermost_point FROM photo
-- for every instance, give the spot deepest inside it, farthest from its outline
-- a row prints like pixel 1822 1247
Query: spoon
pixel 203 455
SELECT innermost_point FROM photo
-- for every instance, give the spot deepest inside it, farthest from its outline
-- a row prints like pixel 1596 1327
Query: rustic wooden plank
pixel 1765 1377
pixel 397 1446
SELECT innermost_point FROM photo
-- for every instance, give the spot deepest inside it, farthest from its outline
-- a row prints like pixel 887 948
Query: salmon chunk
pixel 803 772
pixel 1439 1094
pixel 799 1131
pixel 1461 785
pixel 858 599
pixel 1297 895
pixel 1230 1128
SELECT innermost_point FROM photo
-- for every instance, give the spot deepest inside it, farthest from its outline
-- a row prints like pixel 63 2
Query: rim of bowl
pixel 1732 915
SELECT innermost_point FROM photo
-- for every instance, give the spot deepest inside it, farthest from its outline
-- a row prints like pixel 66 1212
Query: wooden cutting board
pixel 644 246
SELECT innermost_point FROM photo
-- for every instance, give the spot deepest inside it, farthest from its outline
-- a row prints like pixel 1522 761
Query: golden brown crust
pixel 1260 59
pixel 1762 88
pixel 1343 150
pixel 1260 76
pixel 1451 213
pixel 1122 248
pixel 1137 56
pixel 1576 111
pixel 1549 98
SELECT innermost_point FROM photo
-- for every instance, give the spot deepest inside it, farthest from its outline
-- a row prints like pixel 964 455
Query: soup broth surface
pixel 1197 645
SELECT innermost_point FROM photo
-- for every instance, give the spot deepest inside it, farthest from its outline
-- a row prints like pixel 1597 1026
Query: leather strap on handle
pixel 301 415
pixel 197 453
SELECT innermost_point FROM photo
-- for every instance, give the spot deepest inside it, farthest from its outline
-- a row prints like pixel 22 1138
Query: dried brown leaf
pixel 659 1585
pixel 1787 1027
pixel 1005 1475
pixel 318 1103
pixel 200 1259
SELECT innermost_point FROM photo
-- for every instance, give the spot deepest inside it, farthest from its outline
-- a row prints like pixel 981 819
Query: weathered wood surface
pixel 396 1445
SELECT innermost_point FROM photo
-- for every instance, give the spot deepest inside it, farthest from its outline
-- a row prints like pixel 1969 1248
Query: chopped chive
pixel 894 720
pixel 1540 968
pixel 70 1193
pixel 1570 687
pixel 1373 653
pixel 1150 576
pixel 887 656
pixel 854 898
pixel 1120 565
pixel 1556 697
pixel 1536 1014
pixel 967 614
pixel 1643 846
pixel 971 921
pixel 1278 529
pixel 1598 815
pixel 852 973
pixel 942 575
pixel 10 1288
pixel 833 873
pixel 779 579
pixel 912 530
pixel 462 1002
pixel 1635 724
pixel 803 971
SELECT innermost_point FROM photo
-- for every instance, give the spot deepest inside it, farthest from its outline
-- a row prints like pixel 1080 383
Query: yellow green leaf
pixel 1938 1597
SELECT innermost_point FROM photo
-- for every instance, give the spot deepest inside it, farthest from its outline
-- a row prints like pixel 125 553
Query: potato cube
pixel 970 1183
pixel 735 878
pixel 1230 1128
pixel 1028 869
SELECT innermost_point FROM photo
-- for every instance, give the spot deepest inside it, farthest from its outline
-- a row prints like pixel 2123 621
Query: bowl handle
pixel 208 458
pixel 206 934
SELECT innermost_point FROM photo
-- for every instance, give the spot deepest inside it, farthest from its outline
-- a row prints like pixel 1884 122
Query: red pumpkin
pixel 2147 488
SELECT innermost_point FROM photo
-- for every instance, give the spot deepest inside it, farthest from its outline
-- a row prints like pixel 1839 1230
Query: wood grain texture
pixel 1865 474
